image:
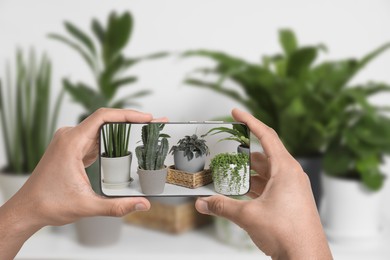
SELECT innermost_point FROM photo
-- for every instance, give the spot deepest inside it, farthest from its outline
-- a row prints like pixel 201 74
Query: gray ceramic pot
pixel 183 164
pixel 99 231
pixel 242 149
pixel 152 182
pixel 313 167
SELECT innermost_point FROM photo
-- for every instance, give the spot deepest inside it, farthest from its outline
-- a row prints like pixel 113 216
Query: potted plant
pixel 231 173
pixel 352 178
pixel 27 118
pixel 190 154
pixel 116 159
pixel 151 156
pixel 238 132
pixel 104 56
pixel 290 92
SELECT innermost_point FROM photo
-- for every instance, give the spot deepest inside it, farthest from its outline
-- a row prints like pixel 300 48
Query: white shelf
pixel 135 243
pixel 138 243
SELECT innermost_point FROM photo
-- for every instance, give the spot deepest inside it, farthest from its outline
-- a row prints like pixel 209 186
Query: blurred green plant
pixel 106 60
pixel 291 92
pixel 28 125
pixel 357 149
pixel 116 140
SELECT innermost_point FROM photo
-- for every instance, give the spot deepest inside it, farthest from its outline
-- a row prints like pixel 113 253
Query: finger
pixel 259 163
pixel 252 195
pixel 220 206
pixel 160 120
pixel 91 124
pixel 269 140
pixel 258 184
pixel 118 207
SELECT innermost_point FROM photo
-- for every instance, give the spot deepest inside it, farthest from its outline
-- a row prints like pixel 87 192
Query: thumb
pixel 220 206
pixel 119 207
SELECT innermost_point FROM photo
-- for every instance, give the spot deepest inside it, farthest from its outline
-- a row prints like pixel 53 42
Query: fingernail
pixel 203 206
pixel 140 207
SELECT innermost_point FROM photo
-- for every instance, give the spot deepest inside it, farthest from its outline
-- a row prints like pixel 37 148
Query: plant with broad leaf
pixel 191 145
pixel 106 59
pixel 357 149
pixel 292 92
pixel 116 139
pixel 152 154
pixel 238 133
pixel 27 118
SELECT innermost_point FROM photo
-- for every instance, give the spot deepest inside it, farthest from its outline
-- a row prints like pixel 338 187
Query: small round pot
pixel 243 149
pixel 116 170
pixel 350 212
pixel 152 181
pixel 98 231
pixel 226 184
pixel 191 166
pixel 10 183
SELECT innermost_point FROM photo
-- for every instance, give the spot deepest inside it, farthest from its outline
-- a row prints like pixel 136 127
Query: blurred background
pixel 257 49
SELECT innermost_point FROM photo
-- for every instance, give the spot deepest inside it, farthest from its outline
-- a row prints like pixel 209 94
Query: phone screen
pixel 174 159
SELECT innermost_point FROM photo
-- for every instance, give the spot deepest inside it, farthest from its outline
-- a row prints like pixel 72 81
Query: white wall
pixel 247 28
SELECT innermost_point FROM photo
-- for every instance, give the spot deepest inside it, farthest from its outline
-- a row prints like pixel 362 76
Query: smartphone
pixel 174 159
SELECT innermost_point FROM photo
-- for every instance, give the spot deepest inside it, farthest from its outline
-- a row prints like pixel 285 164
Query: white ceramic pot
pixel 10 183
pixel 232 234
pixel 349 211
pixel 229 185
pixel 191 166
pixel 116 170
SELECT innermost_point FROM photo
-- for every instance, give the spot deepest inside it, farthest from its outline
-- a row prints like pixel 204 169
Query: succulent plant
pixel 191 145
pixel 151 155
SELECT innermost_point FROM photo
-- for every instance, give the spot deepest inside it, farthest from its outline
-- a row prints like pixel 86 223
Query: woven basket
pixel 189 180
pixel 173 219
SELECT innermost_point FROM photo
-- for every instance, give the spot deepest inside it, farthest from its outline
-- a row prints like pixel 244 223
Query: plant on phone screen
pixel 152 154
pixel 230 167
pixel 116 140
pixel 238 133
pixel 191 145
pixel 27 118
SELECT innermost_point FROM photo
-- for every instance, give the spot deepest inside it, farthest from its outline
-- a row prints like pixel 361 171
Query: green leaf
pixel 372 55
pixel 288 41
pixel 86 96
pixel 124 81
pixel 81 36
pixel 98 31
pixel 300 61
pixel 338 161
pixel 76 47
pixel 117 35
pixel 132 61
pixel 368 169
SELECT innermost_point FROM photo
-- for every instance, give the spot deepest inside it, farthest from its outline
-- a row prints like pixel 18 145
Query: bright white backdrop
pixel 245 28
